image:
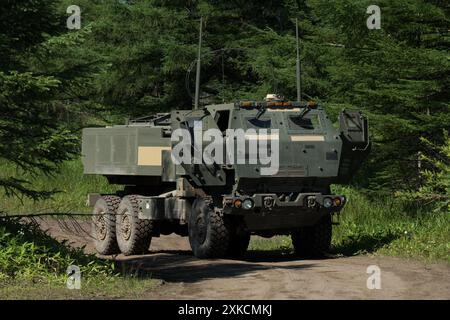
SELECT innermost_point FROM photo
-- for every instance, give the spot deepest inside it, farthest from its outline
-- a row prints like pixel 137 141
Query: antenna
pixel 299 98
pixel 223 78
pixel 197 76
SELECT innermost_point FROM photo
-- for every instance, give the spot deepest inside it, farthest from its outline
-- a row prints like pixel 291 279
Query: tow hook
pixel 269 202
pixel 311 202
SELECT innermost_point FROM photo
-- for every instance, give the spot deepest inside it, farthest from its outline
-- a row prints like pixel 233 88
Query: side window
pixel 222 118
pixel 259 123
pixel 304 123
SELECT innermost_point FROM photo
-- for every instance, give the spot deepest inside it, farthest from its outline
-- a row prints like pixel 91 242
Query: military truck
pixel 220 205
pixel 219 202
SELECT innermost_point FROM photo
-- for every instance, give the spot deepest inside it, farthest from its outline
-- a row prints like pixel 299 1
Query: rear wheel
pixel 313 241
pixel 104 225
pixel 209 232
pixel 133 234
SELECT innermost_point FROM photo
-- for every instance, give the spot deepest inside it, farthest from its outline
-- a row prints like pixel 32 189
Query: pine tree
pixel 136 57
pixel 32 89
pixel 399 75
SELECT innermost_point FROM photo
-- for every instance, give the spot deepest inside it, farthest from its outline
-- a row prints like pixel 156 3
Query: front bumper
pixel 270 211
pixel 271 201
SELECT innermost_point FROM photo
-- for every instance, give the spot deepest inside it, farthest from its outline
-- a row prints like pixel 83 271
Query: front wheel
pixel 209 232
pixel 313 241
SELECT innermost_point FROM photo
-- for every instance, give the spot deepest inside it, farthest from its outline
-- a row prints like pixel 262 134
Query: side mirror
pixel 354 128
pixel 355 143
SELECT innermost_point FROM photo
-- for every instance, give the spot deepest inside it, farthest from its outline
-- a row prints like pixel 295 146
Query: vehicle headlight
pixel 247 204
pixel 327 202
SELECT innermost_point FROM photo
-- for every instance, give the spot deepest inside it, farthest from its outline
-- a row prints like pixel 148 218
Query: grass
pixel 95 288
pixel 27 252
pixel 71 184
pixel 385 226
pixel 33 265
pixel 392 227
pixel 280 243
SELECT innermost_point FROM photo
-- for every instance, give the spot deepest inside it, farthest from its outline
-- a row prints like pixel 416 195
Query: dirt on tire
pixel 139 236
pixel 271 274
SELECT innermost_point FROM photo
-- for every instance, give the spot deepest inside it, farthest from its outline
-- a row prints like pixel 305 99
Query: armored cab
pixel 222 173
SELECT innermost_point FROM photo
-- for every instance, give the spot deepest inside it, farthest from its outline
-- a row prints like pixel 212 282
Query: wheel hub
pixel 125 226
pixel 201 228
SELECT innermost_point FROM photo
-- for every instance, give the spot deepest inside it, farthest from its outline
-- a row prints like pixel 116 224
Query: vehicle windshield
pixel 259 123
pixel 308 123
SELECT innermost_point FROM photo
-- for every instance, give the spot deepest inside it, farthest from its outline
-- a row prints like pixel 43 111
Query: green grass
pixel 392 227
pixel 71 184
pixel 94 288
pixel 33 265
pixel 280 243
pixel 27 253
pixel 385 226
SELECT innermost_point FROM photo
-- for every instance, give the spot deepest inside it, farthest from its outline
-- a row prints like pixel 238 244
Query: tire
pixel 104 225
pixel 238 245
pixel 209 233
pixel 314 241
pixel 133 234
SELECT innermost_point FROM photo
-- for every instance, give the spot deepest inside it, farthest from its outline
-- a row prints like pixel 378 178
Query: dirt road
pixel 270 275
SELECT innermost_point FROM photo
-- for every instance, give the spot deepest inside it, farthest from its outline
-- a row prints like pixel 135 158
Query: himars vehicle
pixel 219 205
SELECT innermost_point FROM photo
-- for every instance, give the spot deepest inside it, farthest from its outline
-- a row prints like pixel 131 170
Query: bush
pixel 27 252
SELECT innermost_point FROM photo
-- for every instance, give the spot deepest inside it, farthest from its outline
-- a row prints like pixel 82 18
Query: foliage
pixel 398 75
pixel 30 136
pixel 132 58
pixel 71 185
pixel 391 226
pixel 39 75
pixel 384 226
pixel 27 252
pixel 435 186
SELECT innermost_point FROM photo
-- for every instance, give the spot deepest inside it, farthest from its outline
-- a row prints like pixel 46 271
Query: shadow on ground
pixel 182 266
pixel 364 243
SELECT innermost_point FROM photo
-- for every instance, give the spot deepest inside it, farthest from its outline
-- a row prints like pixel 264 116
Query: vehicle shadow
pixel 182 266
